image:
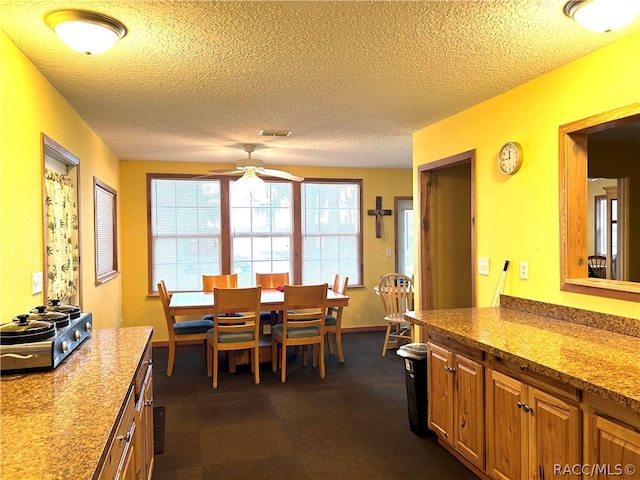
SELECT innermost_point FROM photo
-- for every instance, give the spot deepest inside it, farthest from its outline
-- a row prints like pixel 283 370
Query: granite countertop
pixel 592 359
pixel 56 424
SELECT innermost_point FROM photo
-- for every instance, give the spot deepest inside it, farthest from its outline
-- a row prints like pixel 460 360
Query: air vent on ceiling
pixel 275 133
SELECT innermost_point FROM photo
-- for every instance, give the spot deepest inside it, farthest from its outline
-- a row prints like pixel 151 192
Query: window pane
pixel 262 229
pixel 331 231
pixel 185 231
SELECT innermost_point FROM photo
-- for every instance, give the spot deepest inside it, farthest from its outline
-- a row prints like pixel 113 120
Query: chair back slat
pixel 209 282
pixel 272 280
pixel 230 301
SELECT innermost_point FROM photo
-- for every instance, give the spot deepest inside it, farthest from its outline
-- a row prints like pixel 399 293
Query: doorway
pixel 447 232
pixel 403 206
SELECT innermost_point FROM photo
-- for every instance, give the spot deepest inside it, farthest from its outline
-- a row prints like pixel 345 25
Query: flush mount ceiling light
pixel 603 16
pixel 87 32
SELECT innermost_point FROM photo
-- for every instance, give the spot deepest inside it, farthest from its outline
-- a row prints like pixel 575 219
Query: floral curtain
pixel 61 236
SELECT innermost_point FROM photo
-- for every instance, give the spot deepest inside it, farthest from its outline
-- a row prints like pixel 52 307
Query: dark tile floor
pixel 351 425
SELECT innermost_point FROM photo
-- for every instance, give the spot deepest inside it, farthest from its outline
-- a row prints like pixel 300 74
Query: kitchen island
pixel 515 393
pixel 61 424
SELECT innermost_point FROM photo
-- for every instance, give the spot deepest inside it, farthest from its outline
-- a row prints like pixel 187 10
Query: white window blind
pixel 105 231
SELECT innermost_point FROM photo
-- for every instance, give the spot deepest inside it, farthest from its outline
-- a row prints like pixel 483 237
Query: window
pixel 61 238
pixel 601 225
pixel 330 230
pixel 210 226
pixel 185 231
pixel 106 234
pixel 261 230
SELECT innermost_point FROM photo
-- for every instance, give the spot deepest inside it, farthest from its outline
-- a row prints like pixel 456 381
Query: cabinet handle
pixel 449 369
pixel 519 404
pixel 527 408
pixel 126 437
pixel 148 403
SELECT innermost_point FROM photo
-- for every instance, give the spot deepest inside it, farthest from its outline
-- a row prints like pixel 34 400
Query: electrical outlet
pixel 36 283
pixel 483 266
pixel 389 252
pixel 524 270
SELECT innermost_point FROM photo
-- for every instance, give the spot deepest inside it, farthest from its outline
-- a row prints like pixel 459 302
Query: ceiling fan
pixel 252 167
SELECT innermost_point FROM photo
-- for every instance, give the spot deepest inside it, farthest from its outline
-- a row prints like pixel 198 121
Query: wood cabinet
pixel 455 382
pixel 144 417
pixel 612 440
pixel 120 462
pixel 130 453
pixel 530 431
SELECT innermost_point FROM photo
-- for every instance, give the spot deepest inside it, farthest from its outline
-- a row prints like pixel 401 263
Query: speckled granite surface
pixel 55 424
pixel 613 323
pixel 605 363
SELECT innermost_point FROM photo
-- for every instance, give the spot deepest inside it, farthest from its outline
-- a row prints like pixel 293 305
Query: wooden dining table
pixel 201 303
pixel 271 299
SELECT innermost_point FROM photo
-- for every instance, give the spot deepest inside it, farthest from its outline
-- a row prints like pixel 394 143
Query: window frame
pixel 226 234
pixel 111 246
pixel 359 233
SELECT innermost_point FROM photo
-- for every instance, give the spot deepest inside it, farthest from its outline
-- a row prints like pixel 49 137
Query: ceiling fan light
pixel 86 32
pixel 249 181
pixel 603 16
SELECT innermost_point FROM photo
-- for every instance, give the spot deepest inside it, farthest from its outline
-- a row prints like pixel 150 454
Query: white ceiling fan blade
pixel 226 172
pixel 279 174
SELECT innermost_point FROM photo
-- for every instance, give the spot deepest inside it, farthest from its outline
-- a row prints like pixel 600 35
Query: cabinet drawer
pixel 121 441
pixel 145 362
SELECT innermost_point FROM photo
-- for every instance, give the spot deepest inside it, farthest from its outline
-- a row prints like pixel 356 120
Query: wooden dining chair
pixel 271 280
pixel 333 318
pixel 231 332
pixel 305 307
pixel 181 332
pixel 597 266
pixel 396 293
pixel 209 282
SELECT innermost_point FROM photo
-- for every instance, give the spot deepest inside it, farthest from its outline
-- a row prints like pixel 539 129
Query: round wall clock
pixel 510 158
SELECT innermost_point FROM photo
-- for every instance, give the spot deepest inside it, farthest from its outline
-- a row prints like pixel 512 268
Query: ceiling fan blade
pixel 226 172
pixel 279 174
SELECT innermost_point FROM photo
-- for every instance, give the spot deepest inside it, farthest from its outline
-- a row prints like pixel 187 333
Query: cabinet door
pixel 506 427
pixel 468 409
pixel 617 447
pixel 146 422
pixel 440 391
pixel 554 432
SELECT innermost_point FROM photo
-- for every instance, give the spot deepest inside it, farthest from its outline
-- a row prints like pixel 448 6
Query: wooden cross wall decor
pixel 379 213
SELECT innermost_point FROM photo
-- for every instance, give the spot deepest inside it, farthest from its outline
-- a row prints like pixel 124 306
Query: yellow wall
pixel 30 105
pixel 518 216
pixel 365 308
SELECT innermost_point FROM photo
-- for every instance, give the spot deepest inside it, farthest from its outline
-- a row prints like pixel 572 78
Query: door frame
pixel 426 192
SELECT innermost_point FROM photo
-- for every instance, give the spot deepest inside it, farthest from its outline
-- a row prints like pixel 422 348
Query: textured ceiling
pixel 195 80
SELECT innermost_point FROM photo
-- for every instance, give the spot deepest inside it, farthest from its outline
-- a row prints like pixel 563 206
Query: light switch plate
pixel 524 270
pixel 483 266
pixel 36 282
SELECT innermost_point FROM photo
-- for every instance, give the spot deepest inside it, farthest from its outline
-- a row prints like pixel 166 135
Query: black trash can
pixel 415 369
